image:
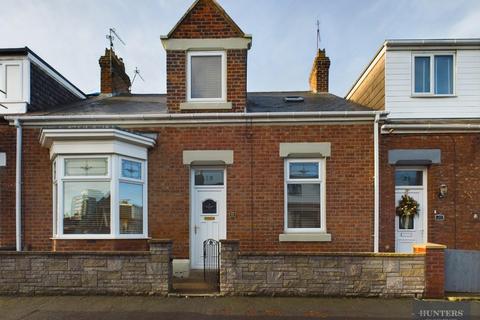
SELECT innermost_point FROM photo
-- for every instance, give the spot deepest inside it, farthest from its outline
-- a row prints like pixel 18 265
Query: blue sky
pixel 70 34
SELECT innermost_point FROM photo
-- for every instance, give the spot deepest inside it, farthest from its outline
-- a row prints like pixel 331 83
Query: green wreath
pixel 407 206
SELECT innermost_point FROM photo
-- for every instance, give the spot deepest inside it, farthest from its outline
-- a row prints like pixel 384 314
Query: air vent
pixel 293 99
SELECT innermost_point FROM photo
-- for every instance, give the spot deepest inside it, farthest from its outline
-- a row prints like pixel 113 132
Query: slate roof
pixel 157 103
pixel 274 102
pixel 118 105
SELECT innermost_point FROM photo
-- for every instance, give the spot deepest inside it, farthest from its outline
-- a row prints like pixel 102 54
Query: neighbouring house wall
pixel 321 274
pixel 122 273
pixel 46 92
pixel 398 88
pixel 7 186
pixel 371 91
pixel 255 188
pixel 459 170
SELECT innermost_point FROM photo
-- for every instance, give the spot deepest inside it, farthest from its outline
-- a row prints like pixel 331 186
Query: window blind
pixel 206 77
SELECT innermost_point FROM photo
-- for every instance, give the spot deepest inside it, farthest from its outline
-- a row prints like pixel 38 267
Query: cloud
pixel 468 27
pixel 70 34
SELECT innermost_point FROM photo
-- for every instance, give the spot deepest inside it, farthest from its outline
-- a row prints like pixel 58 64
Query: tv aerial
pixel 137 73
pixel 112 35
pixel 319 38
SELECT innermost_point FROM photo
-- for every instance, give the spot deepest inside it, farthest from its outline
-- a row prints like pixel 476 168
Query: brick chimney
pixel 319 74
pixel 114 80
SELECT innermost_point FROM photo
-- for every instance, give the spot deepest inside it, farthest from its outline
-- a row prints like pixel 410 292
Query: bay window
pixel 304 195
pixel 99 197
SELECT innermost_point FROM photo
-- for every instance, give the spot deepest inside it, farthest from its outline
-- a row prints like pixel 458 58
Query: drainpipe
pixel 376 184
pixel 18 187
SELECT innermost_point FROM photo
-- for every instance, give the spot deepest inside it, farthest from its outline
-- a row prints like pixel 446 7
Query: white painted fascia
pixel 13 108
pixel 56 76
pixel 195 119
pixel 429 128
pixel 421 44
pixel 48 135
pixel 85 141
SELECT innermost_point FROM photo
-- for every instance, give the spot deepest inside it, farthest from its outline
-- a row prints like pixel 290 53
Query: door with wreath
pixel 410 209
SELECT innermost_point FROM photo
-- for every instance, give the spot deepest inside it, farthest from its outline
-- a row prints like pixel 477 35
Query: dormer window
pixel 206 76
pixel 433 74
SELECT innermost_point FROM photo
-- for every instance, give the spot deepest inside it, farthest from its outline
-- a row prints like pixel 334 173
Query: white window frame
pixel 114 177
pixel 432 55
pixel 223 55
pixel 320 180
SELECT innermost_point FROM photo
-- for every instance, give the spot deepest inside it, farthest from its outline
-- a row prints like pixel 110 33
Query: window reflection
pixel 131 208
pixel 86 208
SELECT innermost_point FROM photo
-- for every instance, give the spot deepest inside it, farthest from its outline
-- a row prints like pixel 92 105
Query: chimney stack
pixel 319 74
pixel 114 80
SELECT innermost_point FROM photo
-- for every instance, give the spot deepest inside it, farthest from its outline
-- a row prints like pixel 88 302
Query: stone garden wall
pixel 321 274
pixel 122 273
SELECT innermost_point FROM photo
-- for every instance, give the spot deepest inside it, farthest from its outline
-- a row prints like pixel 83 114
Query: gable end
pixel 206 19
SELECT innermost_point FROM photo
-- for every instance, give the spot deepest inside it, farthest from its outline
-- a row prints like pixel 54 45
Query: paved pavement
pixel 139 308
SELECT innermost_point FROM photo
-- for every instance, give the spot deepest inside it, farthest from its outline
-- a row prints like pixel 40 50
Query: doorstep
pixel 193 285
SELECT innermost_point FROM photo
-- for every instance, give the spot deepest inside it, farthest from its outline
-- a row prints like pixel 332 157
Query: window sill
pixel 305 237
pixel 206 106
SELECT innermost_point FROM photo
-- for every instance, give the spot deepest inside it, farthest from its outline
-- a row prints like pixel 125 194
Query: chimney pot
pixel 320 73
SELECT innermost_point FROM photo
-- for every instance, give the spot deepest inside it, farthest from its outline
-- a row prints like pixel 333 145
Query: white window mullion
pixel 145 198
pixel 60 174
pixel 433 83
pixel 114 196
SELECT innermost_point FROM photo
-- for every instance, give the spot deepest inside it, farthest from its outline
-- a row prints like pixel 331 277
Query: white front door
pixel 410 231
pixel 208 211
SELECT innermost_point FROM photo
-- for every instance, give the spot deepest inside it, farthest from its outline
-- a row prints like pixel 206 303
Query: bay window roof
pixel 97 141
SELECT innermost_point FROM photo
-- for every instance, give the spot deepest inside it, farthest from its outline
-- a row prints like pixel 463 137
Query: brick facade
pixel 434 269
pixel 254 188
pixel 7 187
pixel 46 92
pixel 459 170
pixel 206 20
pixel 236 80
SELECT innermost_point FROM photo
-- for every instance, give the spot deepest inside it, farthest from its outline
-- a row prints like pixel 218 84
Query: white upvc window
pixel 99 197
pixel 305 195
pixel 206 76
pixel 433 74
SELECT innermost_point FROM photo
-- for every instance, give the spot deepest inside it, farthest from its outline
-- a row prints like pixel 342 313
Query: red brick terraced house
pixel 295 174
pixel 429 146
